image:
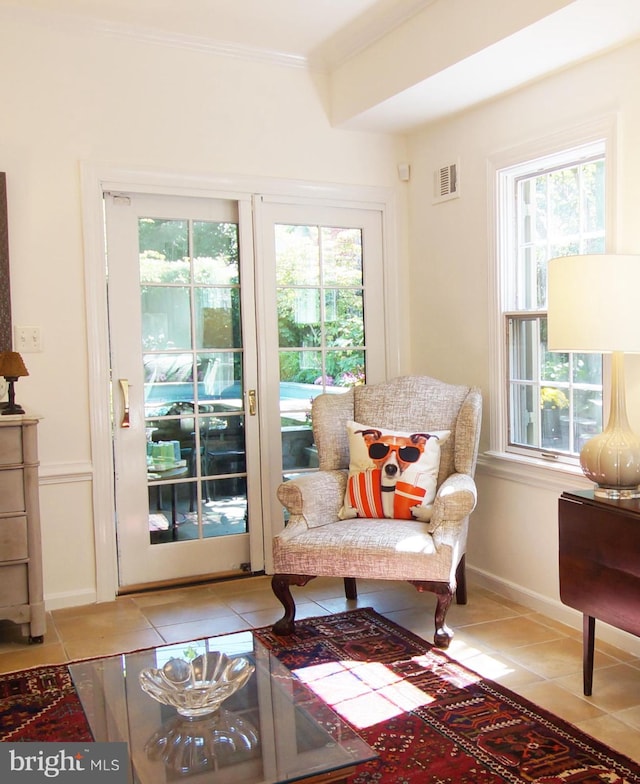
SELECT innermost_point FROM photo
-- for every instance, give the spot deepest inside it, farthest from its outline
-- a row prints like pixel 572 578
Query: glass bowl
pixel 208 743
pixel 198 686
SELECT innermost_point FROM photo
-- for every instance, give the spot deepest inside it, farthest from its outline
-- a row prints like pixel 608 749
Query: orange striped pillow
pixel 391 473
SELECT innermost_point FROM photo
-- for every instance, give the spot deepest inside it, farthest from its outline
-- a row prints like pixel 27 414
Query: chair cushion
pixel 377 549
pixel 392 473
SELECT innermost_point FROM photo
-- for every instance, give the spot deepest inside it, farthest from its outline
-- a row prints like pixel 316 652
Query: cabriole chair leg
pixel 280 584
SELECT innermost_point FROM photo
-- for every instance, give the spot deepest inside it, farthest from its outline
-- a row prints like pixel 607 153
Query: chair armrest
pixel 455 500
pixel 314 499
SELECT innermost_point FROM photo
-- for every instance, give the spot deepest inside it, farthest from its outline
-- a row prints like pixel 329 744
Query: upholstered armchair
pixel 402 422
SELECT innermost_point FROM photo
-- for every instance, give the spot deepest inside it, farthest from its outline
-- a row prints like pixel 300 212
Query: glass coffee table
pixel 273 730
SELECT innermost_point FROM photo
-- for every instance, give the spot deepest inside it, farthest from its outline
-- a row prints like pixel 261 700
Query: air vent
pixel 447 182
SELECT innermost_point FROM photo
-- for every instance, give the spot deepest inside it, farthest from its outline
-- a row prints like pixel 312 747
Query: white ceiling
pixel 356 40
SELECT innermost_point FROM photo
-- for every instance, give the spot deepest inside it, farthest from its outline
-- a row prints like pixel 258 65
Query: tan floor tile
pixel 33 656
pixel 617 653
pixel 256 600
pixel 203 608
pixel 550 695
pixel 613 733
pixel 479 608
pixel 196 630
pixel 556 658
pixel 389 601
pixel 116 619
pixel 241 585
pixel 119 605
pixel 170 595
pixel 615 688
pixel 563 628
pixel 463 647
pixel 515 607
pixel 260 618
pixel 332 588
pixel 500 669
pixel 335 605
pixel 511 633
pixel 630 716
pixel 112 644
pixel 415 620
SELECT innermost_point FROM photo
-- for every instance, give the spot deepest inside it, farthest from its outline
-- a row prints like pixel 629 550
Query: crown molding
pixel 365 31
pixel 76 23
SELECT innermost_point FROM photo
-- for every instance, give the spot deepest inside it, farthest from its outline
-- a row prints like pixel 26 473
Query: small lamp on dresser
pixel 12 368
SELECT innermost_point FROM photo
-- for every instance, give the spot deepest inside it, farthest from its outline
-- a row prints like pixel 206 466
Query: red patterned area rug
pixel 431 720
pixel 41 705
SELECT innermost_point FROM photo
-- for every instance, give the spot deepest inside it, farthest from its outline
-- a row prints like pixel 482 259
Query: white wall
pixel 70 95
pixel 513 537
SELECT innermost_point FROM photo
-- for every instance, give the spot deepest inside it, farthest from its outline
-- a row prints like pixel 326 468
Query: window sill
pixel 533 471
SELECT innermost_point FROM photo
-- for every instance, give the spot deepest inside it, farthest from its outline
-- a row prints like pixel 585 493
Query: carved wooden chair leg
pixel 350 588
pixel 280 584
pixel 443 635
pixel 461 580
pixel 444 594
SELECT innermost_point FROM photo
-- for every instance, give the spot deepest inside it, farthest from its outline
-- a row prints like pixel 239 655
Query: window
pixel 551 206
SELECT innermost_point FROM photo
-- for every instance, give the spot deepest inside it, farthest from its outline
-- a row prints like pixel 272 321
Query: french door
pixel 226 318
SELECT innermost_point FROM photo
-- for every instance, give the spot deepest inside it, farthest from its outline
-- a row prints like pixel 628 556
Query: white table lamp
pixel 593 306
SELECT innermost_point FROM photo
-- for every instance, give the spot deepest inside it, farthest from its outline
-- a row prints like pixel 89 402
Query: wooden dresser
pixel 21 590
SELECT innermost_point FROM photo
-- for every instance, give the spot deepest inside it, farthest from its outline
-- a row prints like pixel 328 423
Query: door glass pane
pixel 297 255
pixel 192 343
pixel 344 317
pixel 342 256
pixel 164 248
pixel 215 251
pixel 166 317
pixel 299 317
pixel 320 327
pixel 217 317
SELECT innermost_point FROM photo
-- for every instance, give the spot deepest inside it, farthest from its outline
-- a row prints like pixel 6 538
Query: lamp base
pixel 612 458
pixel 14 409
pixel 11 407
pixel 616 493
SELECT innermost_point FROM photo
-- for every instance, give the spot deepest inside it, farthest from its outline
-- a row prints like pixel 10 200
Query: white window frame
pixel 600 130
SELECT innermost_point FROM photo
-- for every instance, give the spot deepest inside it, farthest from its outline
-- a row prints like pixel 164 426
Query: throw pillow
pixel 392 473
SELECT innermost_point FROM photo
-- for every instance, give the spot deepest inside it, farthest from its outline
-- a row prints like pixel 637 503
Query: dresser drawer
pixel 14 587
pixel 13 538
pixel 10 446
pixel 11 490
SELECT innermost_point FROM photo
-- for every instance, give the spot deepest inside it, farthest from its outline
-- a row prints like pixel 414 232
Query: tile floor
pixel 529 653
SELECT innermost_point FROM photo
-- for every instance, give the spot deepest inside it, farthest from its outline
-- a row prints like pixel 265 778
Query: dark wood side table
pixel 599 565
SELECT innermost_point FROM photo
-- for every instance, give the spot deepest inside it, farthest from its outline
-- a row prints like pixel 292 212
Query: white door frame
pixel 95 179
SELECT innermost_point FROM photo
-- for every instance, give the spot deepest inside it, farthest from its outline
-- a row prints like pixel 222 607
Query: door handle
pixel 252 402
pixel 124 385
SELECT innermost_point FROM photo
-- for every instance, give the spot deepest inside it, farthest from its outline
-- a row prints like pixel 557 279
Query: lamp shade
pixel 11 365
pixel 593 303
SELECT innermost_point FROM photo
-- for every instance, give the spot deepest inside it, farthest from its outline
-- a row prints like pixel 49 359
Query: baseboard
pixel 551 608
pixel 59 601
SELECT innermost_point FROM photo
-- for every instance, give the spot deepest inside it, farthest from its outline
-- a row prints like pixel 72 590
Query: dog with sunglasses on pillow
pixel 407 490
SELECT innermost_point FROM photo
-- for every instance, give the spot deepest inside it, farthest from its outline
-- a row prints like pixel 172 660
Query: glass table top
pixel 271 731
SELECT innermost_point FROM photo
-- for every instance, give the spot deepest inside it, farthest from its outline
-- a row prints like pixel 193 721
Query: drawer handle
pixel 124 385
